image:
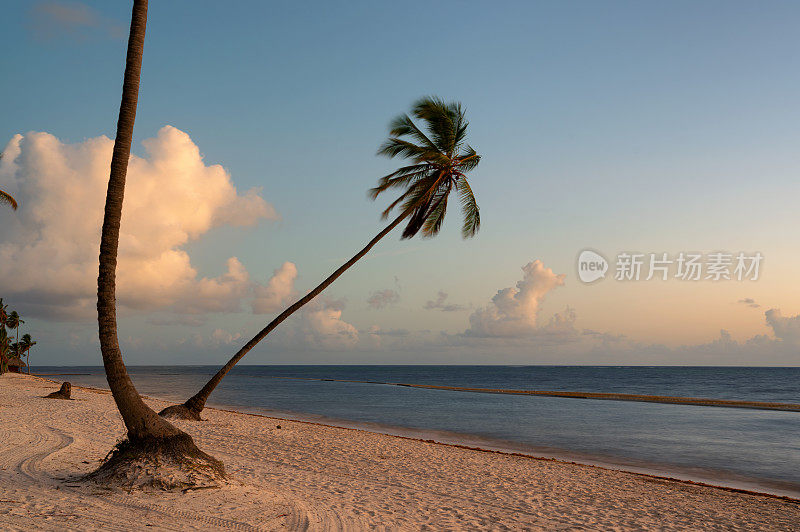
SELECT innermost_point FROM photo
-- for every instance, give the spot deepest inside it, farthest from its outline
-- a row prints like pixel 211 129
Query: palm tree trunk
pixel 153 443
pixel 140 420
pixel 191 409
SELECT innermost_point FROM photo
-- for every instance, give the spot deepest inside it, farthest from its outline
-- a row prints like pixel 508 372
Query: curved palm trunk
pixel 191 409
pixel 151 439
pixel 140 420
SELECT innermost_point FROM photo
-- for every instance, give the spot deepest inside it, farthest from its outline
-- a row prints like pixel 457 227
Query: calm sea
pixel 753 449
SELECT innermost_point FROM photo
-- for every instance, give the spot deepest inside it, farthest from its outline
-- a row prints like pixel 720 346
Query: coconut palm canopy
pixel 6 198
pixel 441 159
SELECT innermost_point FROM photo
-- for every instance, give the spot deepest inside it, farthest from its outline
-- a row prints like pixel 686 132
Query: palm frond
pixel 440 121
pixel 435 217
pixel 459 125
pixel 402 177
pixel 398 182
pixel 8 199
pixel 394 147
pixel 410 196
pixel 403 125
pixel 472 215
pixel 440 158
pixel 468 160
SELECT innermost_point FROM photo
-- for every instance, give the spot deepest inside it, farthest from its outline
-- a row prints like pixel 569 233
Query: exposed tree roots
pixel 180 412
pixel 173 463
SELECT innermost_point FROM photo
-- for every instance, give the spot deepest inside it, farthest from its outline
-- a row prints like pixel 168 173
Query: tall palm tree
pixel 439 161
pixel 151 440
pixel 6 198
pixel 26 343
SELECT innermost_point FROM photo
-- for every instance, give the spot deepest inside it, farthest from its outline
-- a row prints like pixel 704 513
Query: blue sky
pixel 657 127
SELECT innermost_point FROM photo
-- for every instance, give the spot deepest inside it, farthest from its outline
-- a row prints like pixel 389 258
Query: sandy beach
pixel 308 476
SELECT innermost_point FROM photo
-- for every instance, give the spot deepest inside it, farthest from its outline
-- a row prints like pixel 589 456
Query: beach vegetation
pixel 12 349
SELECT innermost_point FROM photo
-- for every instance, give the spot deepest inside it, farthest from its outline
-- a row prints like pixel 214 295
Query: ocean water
pixel 752 449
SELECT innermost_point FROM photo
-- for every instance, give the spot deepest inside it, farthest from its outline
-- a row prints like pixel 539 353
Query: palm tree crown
pixel 440 159
pixel 6 198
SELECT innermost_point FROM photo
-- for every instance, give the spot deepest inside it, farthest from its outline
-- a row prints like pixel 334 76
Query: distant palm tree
pixel 26 343
pixel 14 321
pixel 6 198
pixel 151 439
pixel 439 160
pixel 5 347
pixel 3 338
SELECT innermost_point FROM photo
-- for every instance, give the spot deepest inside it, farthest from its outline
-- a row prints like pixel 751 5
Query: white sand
pixel 326 478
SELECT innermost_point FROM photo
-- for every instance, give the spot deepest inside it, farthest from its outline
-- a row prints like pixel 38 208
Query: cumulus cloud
pixel 74 20
pixel 513 312
pixel 48 256
pixel 382 298
pixel 273 296
pixel 321 326
pixel 786 329
pixel 439 304
pixel 223 337
pixel 749 301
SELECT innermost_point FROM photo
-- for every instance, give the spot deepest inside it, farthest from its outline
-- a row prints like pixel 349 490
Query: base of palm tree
pixel 173 463
pixel 180 412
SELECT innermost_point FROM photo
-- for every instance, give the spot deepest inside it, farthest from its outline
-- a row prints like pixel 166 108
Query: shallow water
pixel 746 448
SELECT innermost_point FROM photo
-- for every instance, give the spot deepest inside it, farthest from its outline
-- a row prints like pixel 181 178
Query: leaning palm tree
pixel 6 198
pixel 152 443
pixel 439 161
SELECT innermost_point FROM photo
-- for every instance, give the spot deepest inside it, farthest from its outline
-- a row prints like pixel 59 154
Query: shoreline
pixel 649 470
pixel 303 475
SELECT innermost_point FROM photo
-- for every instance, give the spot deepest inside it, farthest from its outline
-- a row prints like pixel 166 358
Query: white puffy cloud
pixel 321 326
pixel 513 311
pixel 382 299
pixel 276 293
pixel 48 255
